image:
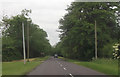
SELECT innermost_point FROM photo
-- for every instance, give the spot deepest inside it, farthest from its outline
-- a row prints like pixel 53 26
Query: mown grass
pixel 106 66
pixel 19 68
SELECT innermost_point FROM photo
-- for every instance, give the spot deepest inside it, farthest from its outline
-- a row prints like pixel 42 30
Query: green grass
pixel 42 58
pixel 19 68
pixel 106 66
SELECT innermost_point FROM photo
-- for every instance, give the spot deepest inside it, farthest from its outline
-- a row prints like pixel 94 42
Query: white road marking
pixel 64 68
pixel 71 75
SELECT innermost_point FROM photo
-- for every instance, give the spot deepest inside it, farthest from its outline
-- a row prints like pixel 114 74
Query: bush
pixel 107 51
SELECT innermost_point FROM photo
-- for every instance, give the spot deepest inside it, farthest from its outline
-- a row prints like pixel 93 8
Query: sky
pixel 45 13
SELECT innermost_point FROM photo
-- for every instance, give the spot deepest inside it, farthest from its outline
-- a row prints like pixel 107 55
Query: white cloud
pixel 45 13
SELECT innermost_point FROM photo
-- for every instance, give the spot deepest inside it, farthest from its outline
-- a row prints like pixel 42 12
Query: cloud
pixel 45 13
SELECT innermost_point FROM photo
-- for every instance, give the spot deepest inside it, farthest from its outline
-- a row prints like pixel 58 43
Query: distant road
pixel 58 67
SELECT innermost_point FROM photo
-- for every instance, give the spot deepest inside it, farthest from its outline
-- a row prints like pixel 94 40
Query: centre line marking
pixel 71 75
pixel 64 68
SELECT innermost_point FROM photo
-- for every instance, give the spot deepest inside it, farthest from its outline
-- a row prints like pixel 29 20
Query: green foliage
pixel 12 37
pixel 101 68
pixel 11 68
pixel 107 51
pixel 116 51
pixel 77 28
pixel 9 51
pixel 57 50
pixel 106 66
pixel 105 61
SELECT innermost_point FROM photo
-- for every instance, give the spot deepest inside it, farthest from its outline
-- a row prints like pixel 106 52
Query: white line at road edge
pixel 71 75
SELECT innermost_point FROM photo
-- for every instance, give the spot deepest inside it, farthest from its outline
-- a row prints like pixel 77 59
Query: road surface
pixel 57 67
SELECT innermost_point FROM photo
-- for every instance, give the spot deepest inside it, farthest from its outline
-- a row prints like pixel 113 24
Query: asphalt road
pixel 58 67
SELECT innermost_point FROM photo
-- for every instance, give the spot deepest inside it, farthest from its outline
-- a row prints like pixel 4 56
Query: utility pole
pixel 24 44
pixel 28 41
pixel 95 41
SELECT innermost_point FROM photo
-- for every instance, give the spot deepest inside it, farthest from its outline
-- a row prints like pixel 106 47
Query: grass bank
pixel 19 68
pixel 106 66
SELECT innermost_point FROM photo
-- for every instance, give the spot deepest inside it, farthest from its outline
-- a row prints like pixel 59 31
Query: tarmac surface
pixel 54 67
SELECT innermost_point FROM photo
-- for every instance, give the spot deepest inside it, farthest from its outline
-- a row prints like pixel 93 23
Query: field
pixel 106 66
pixel 19 68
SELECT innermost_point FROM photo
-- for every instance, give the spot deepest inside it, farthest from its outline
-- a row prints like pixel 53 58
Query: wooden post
pixel 95 41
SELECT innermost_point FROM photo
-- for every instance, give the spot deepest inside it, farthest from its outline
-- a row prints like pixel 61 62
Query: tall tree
pixel 12 37
pixel 77 28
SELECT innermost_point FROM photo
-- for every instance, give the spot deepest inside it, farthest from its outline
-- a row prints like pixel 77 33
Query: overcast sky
pixel 45 13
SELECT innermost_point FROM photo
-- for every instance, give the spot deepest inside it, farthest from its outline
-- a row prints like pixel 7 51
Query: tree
pixel 77 28
pixel 12 37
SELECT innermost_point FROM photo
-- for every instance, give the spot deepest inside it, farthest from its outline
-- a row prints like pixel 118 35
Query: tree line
pixel 12 42
pixel 77 27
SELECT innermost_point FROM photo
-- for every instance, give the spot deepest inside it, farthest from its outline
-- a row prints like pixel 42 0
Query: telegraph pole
pixel 95 41
pixel 24 44
pixel 28 41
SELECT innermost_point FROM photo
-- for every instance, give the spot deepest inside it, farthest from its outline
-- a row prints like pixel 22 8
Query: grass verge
pixel 106 66
pixel 19 68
